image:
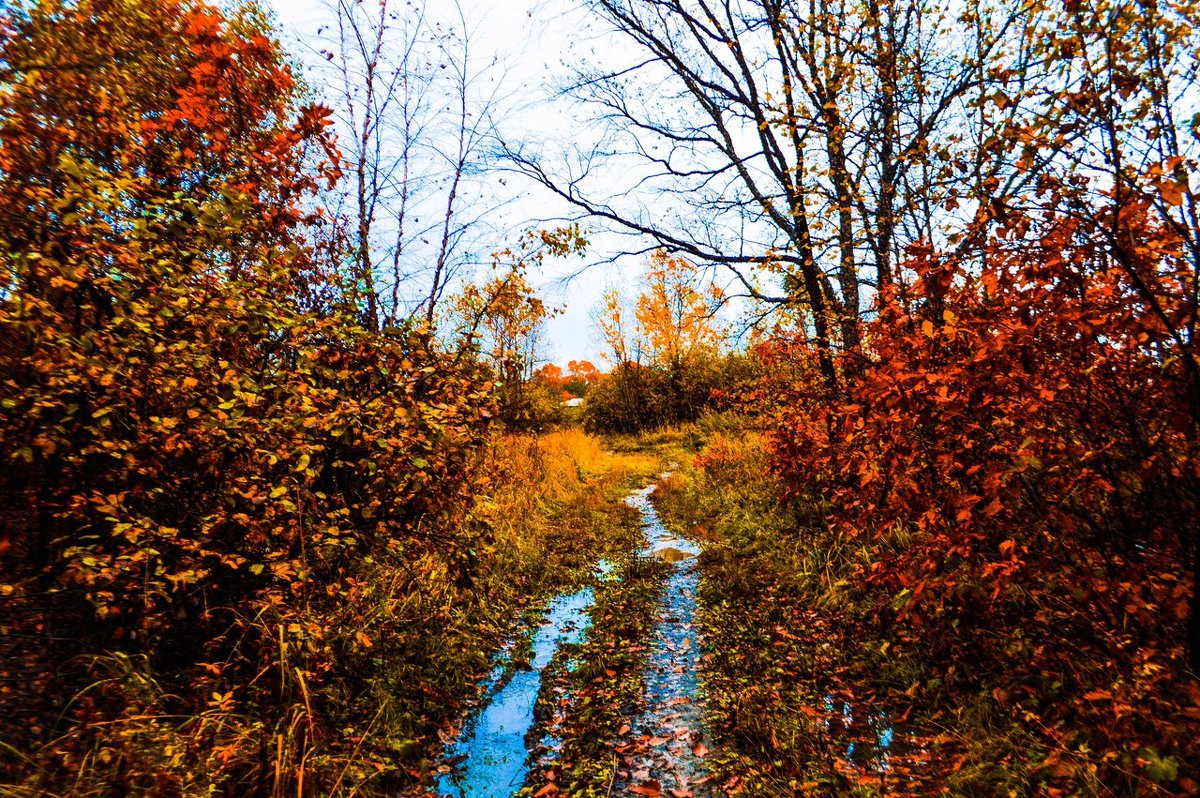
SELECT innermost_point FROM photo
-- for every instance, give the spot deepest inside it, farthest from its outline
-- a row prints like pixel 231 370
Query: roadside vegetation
pixel 809 660
pixel 282 471
pixel 254 541
pixel 361 686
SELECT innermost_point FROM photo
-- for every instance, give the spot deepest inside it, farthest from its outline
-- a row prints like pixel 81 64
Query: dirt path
pixel 659 748
pixel 663 748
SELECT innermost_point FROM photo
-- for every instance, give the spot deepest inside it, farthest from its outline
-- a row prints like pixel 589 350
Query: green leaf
pixel 1160 769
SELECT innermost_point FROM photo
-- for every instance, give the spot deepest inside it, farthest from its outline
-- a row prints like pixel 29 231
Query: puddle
pixel 605 571
pixel 663 749
pixel 660 543
pixel 874 749
pixel 491 755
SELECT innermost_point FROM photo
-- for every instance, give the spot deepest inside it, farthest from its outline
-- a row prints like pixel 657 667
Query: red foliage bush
pixel 1018 446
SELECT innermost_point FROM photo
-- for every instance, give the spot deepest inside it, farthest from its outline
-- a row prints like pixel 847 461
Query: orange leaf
pixel 1172 191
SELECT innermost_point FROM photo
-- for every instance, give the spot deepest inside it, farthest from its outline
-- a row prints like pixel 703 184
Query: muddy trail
pixel 490 758
pixel 661 745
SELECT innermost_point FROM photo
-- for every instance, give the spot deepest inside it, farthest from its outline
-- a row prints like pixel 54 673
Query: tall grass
pixel 362 691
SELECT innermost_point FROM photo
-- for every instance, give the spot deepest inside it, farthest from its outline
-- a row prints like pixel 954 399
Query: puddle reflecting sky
pixel 491 754
pixel 662 751
pixel 874 747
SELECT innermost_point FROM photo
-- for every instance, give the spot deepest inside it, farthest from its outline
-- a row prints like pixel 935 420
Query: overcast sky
pixel 533 43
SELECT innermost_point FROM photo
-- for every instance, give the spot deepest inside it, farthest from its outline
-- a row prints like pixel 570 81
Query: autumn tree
pixel 1122 73
pixel 503 319
pixel 204 445
pixel 615 322
pixel 581 375
pixel 507 316
pixel 665 346
pixel 804 137
pixel 675 312
pixel 1025 409
pixel 413 103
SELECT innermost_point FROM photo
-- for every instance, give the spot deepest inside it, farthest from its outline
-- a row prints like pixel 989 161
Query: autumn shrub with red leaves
pixel 204 442
pixel 1016 447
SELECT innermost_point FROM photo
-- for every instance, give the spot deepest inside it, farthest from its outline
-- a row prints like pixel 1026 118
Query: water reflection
pixel 872 747
pixel 491 755
pixel 661 750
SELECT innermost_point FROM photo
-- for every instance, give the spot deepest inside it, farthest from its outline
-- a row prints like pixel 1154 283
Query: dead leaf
pixel 650 788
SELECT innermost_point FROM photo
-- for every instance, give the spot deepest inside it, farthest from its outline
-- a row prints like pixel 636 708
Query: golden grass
pixel 364 685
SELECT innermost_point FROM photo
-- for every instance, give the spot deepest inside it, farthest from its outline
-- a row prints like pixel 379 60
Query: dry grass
pixel 361 687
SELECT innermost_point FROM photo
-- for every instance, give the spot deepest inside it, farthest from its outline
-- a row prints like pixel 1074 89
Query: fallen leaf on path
pixel 624 729
pixel 650 788
pixel 549 789
pixel 700 750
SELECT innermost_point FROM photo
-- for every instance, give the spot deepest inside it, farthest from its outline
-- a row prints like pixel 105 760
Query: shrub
pixel 206 444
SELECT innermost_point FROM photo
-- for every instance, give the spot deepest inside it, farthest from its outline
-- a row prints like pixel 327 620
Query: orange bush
pixel 1017 447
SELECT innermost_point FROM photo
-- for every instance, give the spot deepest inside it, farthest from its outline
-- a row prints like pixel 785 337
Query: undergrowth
pixel 365 683
pixel 805 657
